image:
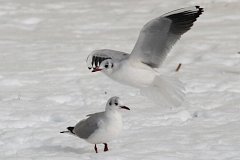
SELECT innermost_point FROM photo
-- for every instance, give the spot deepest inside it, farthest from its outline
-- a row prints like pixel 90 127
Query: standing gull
pixel 138 68
pixel 101 127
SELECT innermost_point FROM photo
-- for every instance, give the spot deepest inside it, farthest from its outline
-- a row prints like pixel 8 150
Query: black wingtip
pixel 70 129
pixel 64 131
pixel 184 18
pixel 200 9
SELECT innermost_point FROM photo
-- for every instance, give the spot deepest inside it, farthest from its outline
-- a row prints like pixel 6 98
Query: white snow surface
pixel 45 85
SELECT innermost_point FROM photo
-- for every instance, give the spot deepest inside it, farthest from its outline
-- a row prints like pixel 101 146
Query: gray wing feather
pixel 159 35
pixel 96 57
pixel 87 127
pixel 95 114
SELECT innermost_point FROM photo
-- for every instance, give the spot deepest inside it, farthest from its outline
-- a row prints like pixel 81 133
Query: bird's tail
pixel 69 130
pixel 165 91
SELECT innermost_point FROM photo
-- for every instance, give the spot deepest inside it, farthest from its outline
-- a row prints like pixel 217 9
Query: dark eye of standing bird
pixel 116 103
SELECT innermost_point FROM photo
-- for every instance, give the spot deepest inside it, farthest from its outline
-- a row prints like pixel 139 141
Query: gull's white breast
pixel 109 127
pixel 136 75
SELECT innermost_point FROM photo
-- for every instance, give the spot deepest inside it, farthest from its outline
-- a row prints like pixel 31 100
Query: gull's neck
pixel 112 113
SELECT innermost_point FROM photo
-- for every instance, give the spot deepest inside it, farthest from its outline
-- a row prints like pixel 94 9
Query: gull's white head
pixel 113 104
pixel 106 66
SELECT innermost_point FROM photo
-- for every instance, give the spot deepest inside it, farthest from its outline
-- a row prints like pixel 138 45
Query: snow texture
pixel 45 85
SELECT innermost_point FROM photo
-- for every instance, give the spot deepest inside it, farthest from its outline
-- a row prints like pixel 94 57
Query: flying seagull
pixel 101 127
pixel 138 69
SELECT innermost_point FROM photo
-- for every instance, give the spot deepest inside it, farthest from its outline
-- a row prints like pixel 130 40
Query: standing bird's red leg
pixel 105 147
pixel 95 147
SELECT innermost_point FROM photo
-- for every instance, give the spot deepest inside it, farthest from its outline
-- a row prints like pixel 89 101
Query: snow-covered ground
pixel 45 85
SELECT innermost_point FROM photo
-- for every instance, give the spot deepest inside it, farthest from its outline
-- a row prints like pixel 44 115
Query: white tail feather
pixel 166 91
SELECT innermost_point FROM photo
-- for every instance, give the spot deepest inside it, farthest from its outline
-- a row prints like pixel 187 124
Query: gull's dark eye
pixel 116 103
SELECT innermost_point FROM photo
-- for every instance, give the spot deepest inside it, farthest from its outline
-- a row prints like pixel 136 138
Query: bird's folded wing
pixel 96 57
pixel 159 35
pixel 94 114
pixel 87 127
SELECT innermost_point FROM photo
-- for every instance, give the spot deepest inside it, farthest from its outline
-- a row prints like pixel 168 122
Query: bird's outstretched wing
pixel 159 35
pixel 97 56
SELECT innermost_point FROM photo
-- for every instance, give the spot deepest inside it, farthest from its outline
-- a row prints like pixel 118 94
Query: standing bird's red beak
pixel 124 107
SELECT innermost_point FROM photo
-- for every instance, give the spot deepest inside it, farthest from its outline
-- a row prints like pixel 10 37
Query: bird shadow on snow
pixel 57 148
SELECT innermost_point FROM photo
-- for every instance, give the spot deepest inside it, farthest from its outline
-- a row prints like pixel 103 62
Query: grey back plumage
pixel 87 127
